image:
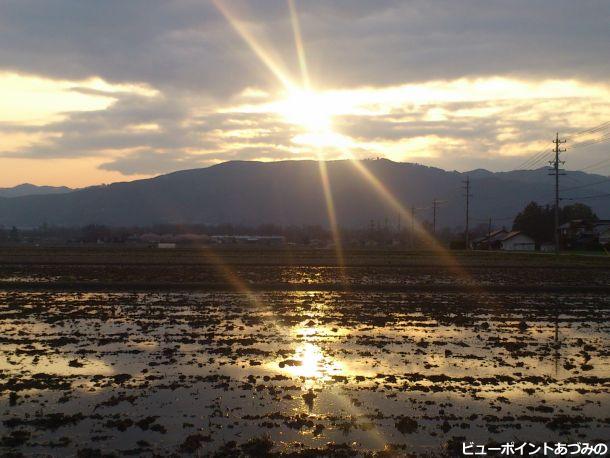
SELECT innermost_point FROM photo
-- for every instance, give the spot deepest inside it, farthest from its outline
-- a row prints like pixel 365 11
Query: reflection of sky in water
pixel 366 358
pixel 57 365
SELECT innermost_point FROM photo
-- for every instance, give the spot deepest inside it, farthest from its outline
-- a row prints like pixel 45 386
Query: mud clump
pixel 15 438
pixel 406 425
pixel 75 363
pixel 309 397
pixel 194 442
pixel 257 447
pixel 290 363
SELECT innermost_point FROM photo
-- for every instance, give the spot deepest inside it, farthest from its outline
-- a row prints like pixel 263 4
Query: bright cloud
pixel 36 100
pixel 459 85
pixel 427 119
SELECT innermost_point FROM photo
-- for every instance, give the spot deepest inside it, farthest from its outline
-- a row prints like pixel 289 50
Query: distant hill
pixel 27 189
pixel 291 192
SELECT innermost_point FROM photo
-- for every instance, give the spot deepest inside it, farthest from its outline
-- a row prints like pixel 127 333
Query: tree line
pixel 538 221
pixel 535 220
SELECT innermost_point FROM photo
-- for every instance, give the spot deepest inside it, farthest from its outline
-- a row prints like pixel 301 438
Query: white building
pixel 517 241
pixel 251 239
pixel 604 238
pixel 489 241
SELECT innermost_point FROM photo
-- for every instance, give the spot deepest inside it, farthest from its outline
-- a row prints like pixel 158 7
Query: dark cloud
pixel 188 45
pixel 191 55
pixel 154 162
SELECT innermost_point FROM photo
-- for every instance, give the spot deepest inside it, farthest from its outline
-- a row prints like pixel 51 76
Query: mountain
pixel 27 189
pixel 291 192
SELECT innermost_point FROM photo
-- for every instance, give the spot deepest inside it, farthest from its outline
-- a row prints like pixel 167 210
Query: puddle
pixel 220 372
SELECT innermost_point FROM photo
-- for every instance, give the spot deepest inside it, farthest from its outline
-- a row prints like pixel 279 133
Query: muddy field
pixel 299 372
pixel 290 268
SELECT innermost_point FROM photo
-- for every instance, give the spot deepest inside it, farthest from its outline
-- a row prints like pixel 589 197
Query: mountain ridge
pixel 28 189
pixel 292 193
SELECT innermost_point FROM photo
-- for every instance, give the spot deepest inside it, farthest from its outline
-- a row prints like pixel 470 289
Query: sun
pixel 307 109
pixel 313 113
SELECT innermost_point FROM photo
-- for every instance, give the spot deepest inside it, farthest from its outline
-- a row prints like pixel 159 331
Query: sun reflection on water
pixel 312 363
pixel 309 360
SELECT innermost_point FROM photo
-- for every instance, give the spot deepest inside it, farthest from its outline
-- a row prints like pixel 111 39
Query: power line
pixel 541 156
pixel 599 127
pixel 532 159
pixel 587 197
pixel 505 218
pixel 596 165
pixel 583 144
pixel 542 160
pixel 586 185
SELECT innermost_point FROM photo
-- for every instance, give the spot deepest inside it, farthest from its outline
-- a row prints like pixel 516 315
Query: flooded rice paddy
pixel 299 372
pixel 301 276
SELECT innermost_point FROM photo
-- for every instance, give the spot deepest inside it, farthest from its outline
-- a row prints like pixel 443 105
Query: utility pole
pixel 435 204
pixel 489 234
pixel 412 234
pixel 468 196
pixel 556 171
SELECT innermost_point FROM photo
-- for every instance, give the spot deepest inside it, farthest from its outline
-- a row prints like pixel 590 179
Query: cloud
pixel 172 85
pixel 154 162
pixel 189 45
pixel 132 121
pixel 451 124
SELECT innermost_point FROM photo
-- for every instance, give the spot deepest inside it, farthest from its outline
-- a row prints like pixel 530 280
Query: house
pixel 601 226
pixel 249 239
pixel 577 233
pixel 575 228
pixel 604 238
pixel 583 234
pixel 489 241
pixel 517 241
pixel 171 240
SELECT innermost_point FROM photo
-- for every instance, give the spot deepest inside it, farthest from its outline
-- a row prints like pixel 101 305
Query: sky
pixel 103 91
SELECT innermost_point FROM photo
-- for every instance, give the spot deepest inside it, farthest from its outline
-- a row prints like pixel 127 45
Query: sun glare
pixel 307 109
pixel 313 112
pixel 312 363
pixel 328 139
